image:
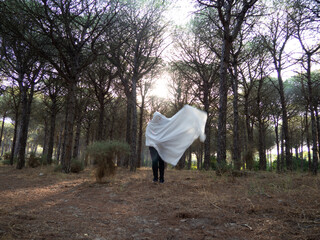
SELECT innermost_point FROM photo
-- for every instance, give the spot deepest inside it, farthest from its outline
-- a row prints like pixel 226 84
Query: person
pixel 168 138
pixel 157 165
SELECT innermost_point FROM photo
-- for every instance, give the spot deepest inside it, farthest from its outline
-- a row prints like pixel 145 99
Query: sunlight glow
pixel 160 87
pixel 179 14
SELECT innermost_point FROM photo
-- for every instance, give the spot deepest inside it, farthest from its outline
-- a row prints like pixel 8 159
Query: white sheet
pixel 172 136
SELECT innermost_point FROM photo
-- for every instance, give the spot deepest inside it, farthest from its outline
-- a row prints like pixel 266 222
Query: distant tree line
pixel 76 72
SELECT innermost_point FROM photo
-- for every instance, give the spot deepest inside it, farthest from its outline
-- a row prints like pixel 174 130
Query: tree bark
pixel 282 150
pixel 284 121
pixel 70 111
pixel 52 131
pixel 262 147
pixel 24 122
pixel 308 138
pixel 45 140
pixel 76 146
pixel 236 150
pixel 2 127
pixel 207 129
pixel 318 127
pixel 14 140
pixel 227 17
pixel 125 161
pixel 262 150
pixel 189 159
pixel 276 129
pixel 59 145
pixel 249 154
pixel 223 93
pixel 133 144
pixel 139 159
pixel 101 124
pixel 182 162
pixel 313 119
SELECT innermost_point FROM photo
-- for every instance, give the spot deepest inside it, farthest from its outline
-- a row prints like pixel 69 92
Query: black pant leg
pixel 161 168
pixel 155 162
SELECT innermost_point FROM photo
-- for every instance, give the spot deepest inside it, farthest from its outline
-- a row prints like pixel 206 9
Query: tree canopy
pixel 76 72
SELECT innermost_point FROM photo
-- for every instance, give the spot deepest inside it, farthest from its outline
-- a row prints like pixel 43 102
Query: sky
pixel 179 14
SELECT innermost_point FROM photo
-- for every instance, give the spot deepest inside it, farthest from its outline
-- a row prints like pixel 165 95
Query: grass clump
pixel 104 154
pixel 57 168
pixel 76 166
pixel 33 160
pixel 6 159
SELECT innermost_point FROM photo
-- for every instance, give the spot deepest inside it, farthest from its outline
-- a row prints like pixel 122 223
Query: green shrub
pixel 223 168
pixel 296 164
pixel 213 162
pixel 58 168
pixel 55 161
pixel 6 158
pixel 76 166
pixel 104 153
pixel 33 160
pixel 43 161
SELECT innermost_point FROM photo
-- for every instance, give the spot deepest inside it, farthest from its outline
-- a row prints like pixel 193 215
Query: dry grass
pixel 189 205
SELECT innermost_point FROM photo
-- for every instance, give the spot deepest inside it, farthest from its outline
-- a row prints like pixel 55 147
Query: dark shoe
pixel 155 180
pixel 161 181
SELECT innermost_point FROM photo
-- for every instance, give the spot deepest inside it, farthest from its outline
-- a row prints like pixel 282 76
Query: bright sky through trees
pixel 179 14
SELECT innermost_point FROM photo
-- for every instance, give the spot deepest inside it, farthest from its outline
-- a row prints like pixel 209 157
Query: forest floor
pixel 40 204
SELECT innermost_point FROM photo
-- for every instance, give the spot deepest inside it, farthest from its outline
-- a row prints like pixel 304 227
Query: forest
pixel 81 79
pixel 78 72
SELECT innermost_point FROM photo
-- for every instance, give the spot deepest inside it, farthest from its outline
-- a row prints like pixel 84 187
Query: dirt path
pixel 39 204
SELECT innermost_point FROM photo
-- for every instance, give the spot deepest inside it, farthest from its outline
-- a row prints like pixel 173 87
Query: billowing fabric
pixel 172 136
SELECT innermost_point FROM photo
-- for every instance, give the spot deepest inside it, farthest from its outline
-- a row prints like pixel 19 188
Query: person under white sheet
pixel 169 138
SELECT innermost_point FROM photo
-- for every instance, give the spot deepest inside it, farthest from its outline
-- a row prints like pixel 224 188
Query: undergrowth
pixel 104 154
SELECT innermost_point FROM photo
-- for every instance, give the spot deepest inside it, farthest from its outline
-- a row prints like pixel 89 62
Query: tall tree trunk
pixel 139 159
pixel 313 119
pixel 199 155
pixel 24 124
pixel 70 111
pixel 262 150
pixel 133 102
pixel 14 140
pixel 63 143
pixel 45 141
pixel 2 127
pixel 236 150
pixel 125 161
pixel 182 162
pixel 112 122
pixel 59 146
pixel 318 127
pixel 223 94
pixel 5 144
pixel 101 124
pixel 207 129
pixel 88 134
pixel 284 121
pixel 87 141
pixel 276 129
pixel 207 145
pixel 308 138
pixel 249 153
pixel 52 131
pixel 282 151
pixel 301 144
pixel 189 159
pixel 76 145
